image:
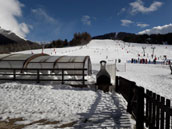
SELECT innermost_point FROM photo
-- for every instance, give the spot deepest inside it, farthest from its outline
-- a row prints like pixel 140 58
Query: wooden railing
pixel 134 96
pixel 146 107
pixel 37 74
pixel 158 111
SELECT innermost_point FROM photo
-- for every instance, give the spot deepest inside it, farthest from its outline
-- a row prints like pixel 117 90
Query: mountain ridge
pixel 10 42
pixel 138 38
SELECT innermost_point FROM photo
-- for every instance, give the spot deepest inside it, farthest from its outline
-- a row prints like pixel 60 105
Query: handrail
pixel 43 69
pixel 37 74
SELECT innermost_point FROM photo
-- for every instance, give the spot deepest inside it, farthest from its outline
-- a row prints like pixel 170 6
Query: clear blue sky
pixel 59 19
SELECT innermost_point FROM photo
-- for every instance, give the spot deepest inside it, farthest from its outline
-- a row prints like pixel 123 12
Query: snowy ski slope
pixel 154 77
pixel 85 107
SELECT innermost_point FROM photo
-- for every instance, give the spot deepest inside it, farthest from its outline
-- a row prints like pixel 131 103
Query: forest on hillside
pixel 8 45
pixel 135 38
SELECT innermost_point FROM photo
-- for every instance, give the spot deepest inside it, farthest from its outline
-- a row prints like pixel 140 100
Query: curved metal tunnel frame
pixel 34 56
pixel 6 56
pixel 84 63
pixel 27 61
pixel 55 62
pixel 89 66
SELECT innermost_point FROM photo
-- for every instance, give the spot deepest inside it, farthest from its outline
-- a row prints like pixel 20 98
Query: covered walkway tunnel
pixel 9 62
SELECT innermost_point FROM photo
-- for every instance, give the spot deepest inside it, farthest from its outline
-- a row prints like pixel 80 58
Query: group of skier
pixel 144 61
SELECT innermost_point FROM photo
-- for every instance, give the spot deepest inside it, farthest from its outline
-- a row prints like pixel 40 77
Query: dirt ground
pixel 10 124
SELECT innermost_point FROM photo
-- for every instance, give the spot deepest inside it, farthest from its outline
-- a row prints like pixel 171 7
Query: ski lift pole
pixel 153 49
pixel 43 48
pixel 144 50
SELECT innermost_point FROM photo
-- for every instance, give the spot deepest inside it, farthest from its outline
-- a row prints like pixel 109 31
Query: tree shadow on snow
pixel 105 115
pixel 121 116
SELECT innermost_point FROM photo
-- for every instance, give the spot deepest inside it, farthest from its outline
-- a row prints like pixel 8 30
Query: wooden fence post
pixel 147 108
pixel 38 76
pixel 132 94
pixel 62 76
pixel 116 84
pixel 167 114
pixel 162 112
pixel 157 113
pixel 140 109
pixel 14 74
pixel 150 109
pixel 153 107
pixel 83 77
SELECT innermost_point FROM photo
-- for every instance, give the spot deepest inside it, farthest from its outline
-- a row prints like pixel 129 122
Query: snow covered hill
pixel 49 106
pixel 110 50
pixel 155 77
